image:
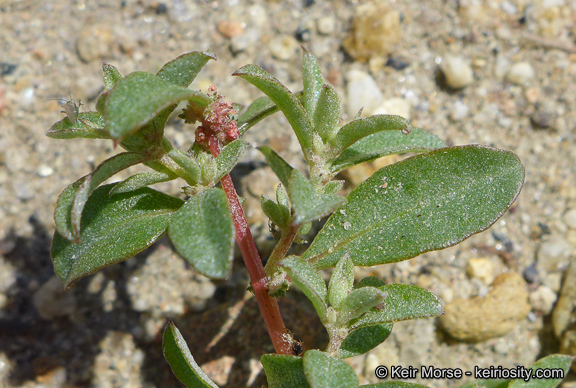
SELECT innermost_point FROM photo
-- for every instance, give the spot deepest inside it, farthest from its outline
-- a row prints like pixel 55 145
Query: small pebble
pixel 397 64
pixel 554 254
pixel 459 111
pixel 543 119
pixel 376 28
pixel 570 218
pixel 481 268
pixel 230 28
pixel 303 34
pixel 45 170
pixel 542 300
pixel 532 95
pixel 361 92
pixel 326 25
pixel 530 274
pixel 457 72
pixel 394 106
pixel 94 43
pixel 7 68
pixel 520 73
pixel 284 47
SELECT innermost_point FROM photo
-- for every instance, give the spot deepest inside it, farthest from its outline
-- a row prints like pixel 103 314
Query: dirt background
pixel 513 64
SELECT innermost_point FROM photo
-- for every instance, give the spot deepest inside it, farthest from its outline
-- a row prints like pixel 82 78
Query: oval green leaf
pixel 364 339
pixel 327 114
pixel 312 80
pixel 383 144
pixel 229 157
pixel 90 125
pixel 141 180
pixel 203 233
pixel 307 203
pixel 341 282
pixel 140 97
pixel 360 128
pixel 182 70
pixel 404 301
pixel 284 371
pixel 183 365
pixel 427 202
pixel 323 371
pixel 114 228
pixel 310 282
pixel 111 75
pixel 358 302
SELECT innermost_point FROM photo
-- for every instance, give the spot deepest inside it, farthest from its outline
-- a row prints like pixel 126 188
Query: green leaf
pixel 333 187
pixel 209 169
pixel 309 281
pixel 285 100
pixel 427 202
pixel 313 81
pixel 229 157
pixel 323 371
pixel 383 144
pixel 358 302
pixel 261 108
pixel 276 213
pixel 140 180
pixel 90 125
pixel 403 302
pixel 559 363
pixel 203 233
pixel 63 210
pixel 138 98
pixel 280 167
pixel 284 371
pixel 182 70
pixel 490 383
pixel 183 365
pixel 363 339
pixel 327 115
pixel 341 282
pixel 394 384
pixel 358 129
pixel 105 170
pixel 111 75
pixel 307 203
pixel 188 164
pixel 370 281
pixel 114 228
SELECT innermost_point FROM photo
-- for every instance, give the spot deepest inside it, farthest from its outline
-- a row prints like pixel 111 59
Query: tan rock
pixel 375 30
pixel 479 319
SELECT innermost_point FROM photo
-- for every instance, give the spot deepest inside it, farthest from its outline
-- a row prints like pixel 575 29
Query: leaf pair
pixel 315 120
pixel 205 170
pixel 308 204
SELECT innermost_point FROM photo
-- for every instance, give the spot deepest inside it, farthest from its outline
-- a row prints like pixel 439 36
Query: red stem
pixel 268 305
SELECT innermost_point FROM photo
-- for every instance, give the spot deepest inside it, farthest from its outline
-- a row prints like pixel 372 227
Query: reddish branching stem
pixel 215 130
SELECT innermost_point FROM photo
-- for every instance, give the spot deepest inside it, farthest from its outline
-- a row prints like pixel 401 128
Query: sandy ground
pixel 513 61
